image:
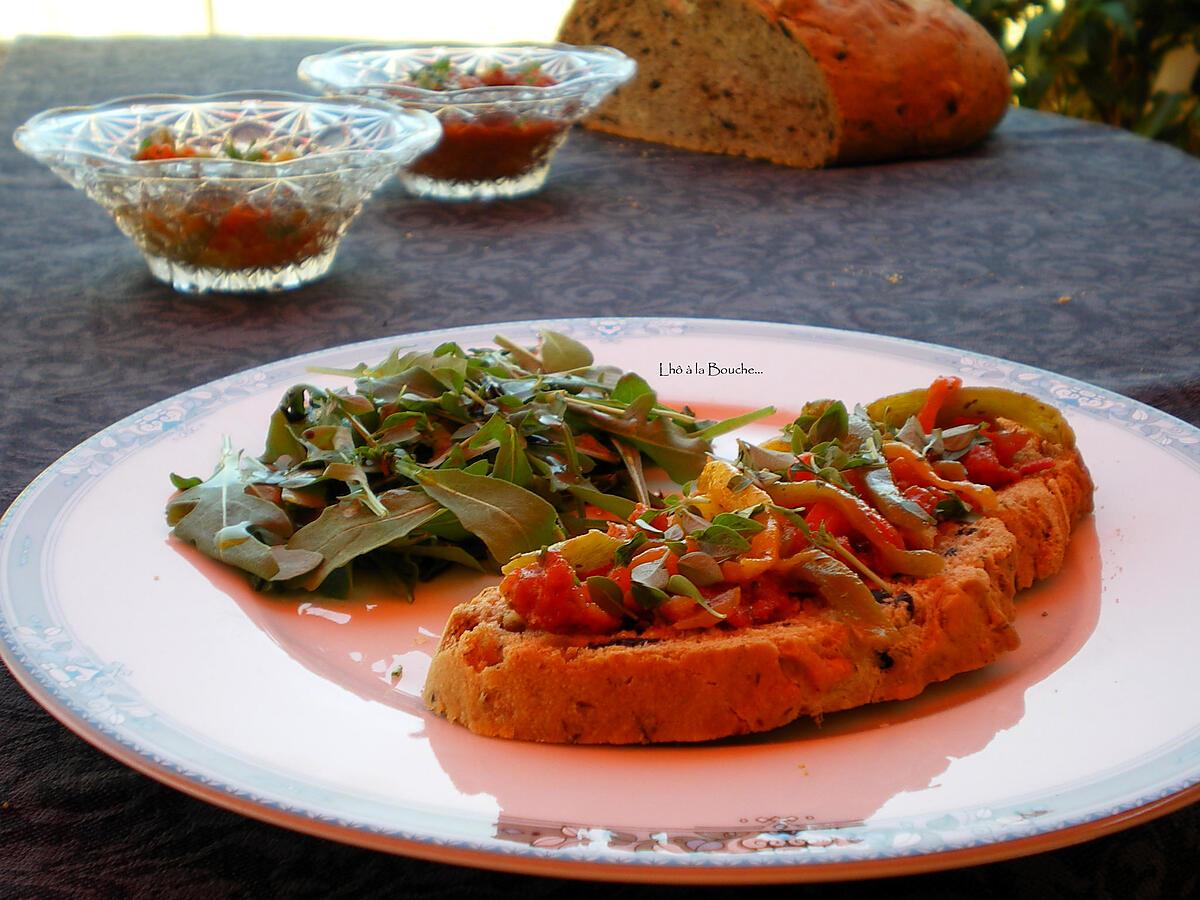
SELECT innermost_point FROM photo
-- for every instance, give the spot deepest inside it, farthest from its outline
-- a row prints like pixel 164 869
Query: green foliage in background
pixel 1098 59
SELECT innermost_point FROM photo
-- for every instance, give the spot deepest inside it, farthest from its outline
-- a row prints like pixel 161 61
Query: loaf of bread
pixel 500 679
pixel 803 83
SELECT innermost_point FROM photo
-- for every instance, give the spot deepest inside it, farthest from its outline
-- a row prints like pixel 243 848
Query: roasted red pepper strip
pixel 863 519
pixel 828 515
pixel 939 392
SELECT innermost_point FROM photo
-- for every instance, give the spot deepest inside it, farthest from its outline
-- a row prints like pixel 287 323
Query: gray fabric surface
pixel 1058 243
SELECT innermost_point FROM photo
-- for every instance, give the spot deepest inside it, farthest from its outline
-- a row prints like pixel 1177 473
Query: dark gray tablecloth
pixel 1058 243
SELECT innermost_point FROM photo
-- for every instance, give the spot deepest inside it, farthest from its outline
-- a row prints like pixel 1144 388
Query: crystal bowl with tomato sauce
pixel 246 191
pixel 504 109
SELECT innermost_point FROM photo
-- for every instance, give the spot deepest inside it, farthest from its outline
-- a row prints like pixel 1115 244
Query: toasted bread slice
pixel 663 685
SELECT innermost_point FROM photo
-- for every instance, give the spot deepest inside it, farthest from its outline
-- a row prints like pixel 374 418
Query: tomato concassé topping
pixel 222 228
pixel 162 144
pixel 835 513
pixel 443 75
pixel 486 146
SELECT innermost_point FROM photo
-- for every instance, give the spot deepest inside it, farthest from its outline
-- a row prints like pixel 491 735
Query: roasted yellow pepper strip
pixel 980 496
pixel 586 551
pixel 836 583
pixel 918 527
pixel 989 402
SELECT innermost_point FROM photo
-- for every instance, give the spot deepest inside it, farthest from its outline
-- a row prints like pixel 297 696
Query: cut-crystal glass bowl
pixel 498 140
pixel 221 215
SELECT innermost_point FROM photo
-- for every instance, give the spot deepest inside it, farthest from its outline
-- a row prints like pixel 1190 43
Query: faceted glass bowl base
pixel 499 189
pixel 208 222
pixel 200 280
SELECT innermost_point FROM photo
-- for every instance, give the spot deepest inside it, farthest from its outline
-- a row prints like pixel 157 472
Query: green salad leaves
pixel 435 458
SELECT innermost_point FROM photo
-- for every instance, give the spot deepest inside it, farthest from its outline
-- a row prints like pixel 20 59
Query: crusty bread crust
pixel 911 77
pixel 663 685
pixel 800 82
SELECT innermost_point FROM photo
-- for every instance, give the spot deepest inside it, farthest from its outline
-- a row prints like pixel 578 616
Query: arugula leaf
pixel 360 489
pixel 652 574
pixel 507 518
pixel 733 423
pixel 523 357
pixel 647 597
pixel 681 455
pixel 511 463
pixel 631 387
pixel 223 521
pixel 489 435
pixel 633 465
pixel 563 354
pixel 545 431
pixel 349 529
pixel 282 441
pixel 447 552
pixel 831 425
pixel 182 483
pixel 681 586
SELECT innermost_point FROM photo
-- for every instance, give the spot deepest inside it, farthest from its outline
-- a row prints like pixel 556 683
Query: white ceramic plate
pixel 306 712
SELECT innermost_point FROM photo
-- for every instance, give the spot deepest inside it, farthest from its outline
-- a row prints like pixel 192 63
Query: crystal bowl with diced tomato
pixel 505 109
pixel 246 191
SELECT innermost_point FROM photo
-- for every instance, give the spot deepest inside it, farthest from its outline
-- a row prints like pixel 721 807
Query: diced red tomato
pixel 1007 444
pixel 764 600
pixel 984 467
pixel 163 151
pixel 601 515
pixel 534 77
pixel 620 574
pixel 620 530
pixel 550 598
pixel 925 497
pixel 798 474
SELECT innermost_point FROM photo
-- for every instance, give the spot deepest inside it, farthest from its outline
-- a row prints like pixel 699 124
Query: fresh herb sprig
pixel 433 76
pixel 454 455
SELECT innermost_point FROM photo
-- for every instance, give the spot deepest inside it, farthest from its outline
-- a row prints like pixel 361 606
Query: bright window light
pixel 365 20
